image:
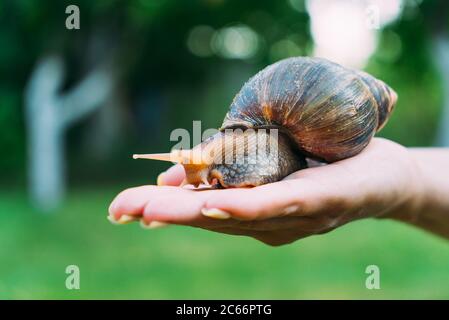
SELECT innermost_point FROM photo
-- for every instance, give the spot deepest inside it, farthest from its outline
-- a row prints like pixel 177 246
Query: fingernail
pixel 128 218
pixel 111 219
pixel 291 209
pixel 160 179
pixel 124 219
pixel 153 224
pixel 215 213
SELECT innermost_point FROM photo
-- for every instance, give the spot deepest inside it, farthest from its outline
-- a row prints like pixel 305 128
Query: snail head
pixel 235 157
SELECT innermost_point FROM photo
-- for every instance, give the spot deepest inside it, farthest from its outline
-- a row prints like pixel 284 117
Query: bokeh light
pixel 199 40
pixel 236 42
pixel 345 31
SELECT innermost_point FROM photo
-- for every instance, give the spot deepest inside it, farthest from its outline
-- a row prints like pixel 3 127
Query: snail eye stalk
pixel 154 156
pixel 177 156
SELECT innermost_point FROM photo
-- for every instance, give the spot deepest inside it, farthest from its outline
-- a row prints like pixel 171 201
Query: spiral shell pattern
pixel 330 112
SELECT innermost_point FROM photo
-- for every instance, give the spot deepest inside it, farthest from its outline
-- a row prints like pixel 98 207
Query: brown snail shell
pixel 322 110
pixel 331 112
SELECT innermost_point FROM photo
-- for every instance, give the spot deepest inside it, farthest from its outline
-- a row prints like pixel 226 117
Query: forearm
pixel 429 208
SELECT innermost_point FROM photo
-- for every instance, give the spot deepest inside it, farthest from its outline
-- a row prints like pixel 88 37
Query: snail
pixel 318 110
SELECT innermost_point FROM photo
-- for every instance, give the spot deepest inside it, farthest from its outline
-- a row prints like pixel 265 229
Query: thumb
pixel 172 177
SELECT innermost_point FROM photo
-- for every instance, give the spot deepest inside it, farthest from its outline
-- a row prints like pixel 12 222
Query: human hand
pixel 382 181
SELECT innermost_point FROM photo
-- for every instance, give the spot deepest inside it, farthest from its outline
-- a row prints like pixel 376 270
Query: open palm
pixel 381 181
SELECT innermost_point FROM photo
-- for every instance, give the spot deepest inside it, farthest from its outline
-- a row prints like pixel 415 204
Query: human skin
pixel 386 180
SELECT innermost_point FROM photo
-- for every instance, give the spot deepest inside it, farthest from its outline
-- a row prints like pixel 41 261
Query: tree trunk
pixel 48 115
pixel 45 147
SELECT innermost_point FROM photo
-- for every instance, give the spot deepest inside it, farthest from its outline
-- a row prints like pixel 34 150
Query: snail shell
pixel 331 112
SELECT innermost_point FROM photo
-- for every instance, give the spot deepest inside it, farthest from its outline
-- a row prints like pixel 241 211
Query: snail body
pixel 317 108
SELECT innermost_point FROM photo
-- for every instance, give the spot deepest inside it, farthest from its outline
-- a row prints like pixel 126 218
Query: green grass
pixel 185 263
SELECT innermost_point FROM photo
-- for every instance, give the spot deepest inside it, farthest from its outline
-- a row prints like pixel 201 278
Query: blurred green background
pixel 75 104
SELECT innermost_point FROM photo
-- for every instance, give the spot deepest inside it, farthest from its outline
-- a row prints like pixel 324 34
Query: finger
pixel 159 205
pixel 174 205
pixel 181 206
pixel 184 206
pixel 187 208
pixel 172 177
pixel 133 201
pixel 130 202
pixel 267 201
pixel 164 204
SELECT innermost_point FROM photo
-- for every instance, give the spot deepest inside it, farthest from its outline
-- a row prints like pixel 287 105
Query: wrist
pixel 417 195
